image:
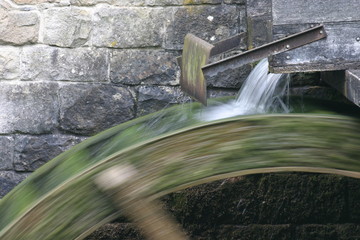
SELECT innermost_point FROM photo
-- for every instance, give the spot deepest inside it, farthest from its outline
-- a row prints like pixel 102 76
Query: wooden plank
pixel 306 11
pixel 195 54
pixel 339 51
pixel 347 82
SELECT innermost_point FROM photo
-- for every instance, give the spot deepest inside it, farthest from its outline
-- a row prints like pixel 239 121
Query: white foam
pixel 260 93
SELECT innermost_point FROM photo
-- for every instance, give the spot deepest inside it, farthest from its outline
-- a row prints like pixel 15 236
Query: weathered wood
pixel 347 82
pixel 315 11
pixel 196 53
pixel 339 51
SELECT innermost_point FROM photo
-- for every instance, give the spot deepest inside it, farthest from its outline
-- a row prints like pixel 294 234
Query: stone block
pixel 28 107
pixel 129 2
pixel 31 152
pixel 299 12
pixel 164 2
pixel 33 2
pixel 210 22
pixel 18 27
pixel 61 64
pixel 259 31
pixel 216 93
pixel 90 2
pixel 181 2
pixel 6 153
pixel 155 98
pixel 259 22
pixel 9 63
pixel 240 2
pixel 90 108
pixel 232 78
pixel 8 180
pixel 143 66
pixel 129 27
pixel 67 27
pixel 256 8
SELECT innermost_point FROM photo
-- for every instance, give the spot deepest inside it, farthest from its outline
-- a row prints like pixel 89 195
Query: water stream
pixel 262 92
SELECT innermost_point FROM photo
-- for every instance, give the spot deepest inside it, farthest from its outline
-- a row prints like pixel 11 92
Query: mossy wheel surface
pixel 61 200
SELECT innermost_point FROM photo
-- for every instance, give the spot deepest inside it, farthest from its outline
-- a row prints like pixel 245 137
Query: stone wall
pixel 72 68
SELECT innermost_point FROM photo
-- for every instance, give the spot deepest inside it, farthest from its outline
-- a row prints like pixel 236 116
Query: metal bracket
pixel 196 52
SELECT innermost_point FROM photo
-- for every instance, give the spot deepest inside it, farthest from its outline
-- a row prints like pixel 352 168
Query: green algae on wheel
pixel 61 201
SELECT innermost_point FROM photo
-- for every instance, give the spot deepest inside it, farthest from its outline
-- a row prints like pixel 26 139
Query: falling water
pixel 261 92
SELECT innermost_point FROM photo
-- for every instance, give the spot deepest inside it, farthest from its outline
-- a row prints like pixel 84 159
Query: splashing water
pixel 261 92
